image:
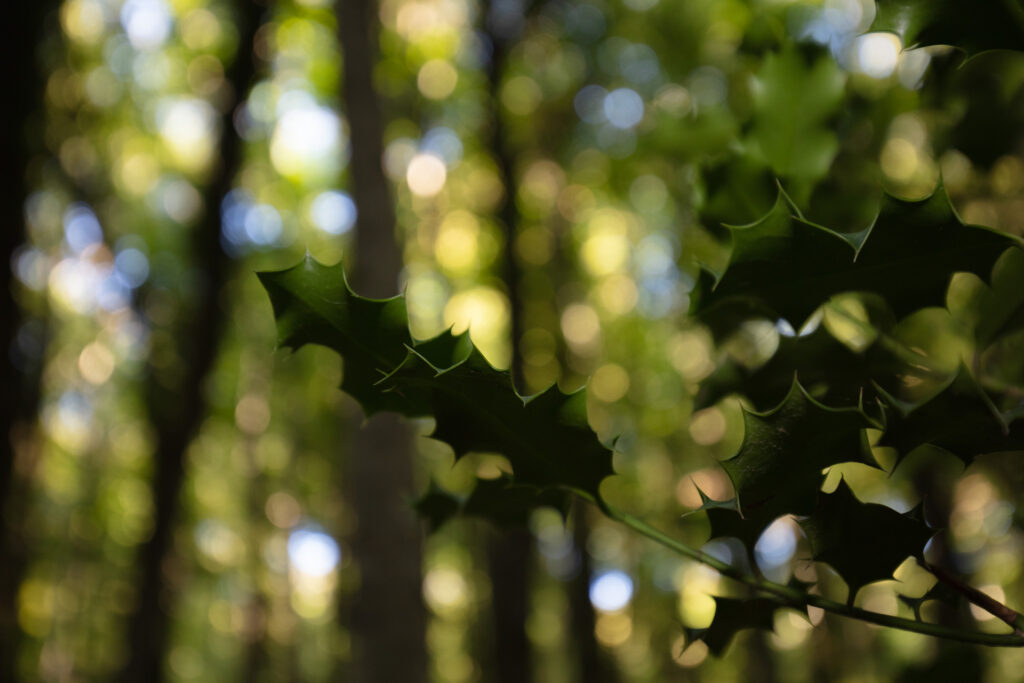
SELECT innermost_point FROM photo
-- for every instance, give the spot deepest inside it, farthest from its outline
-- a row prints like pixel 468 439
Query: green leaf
pixel 793 99
pixel 546 437
pixel 726 521
pixel 778 469
pixel 975 27
pixel 942 592
pixel 313 304
pixel 830 371
pixel 784 266
pixel 437 506
pixel 499 501
pixel 1003 310
pixel 863 542
pixel 733 615
pixel 959 418
pixel 736 189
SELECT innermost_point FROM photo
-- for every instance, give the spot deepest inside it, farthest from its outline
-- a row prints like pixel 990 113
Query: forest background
pixel 183 502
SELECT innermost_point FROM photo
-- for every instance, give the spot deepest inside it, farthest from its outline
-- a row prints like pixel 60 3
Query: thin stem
pixel 796 597
pixel 997 609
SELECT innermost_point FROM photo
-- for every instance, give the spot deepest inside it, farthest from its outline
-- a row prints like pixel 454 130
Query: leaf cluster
pixel 816 403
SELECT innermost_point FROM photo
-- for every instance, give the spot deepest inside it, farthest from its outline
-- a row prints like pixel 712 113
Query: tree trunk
pixel 594 665
pixel 509 552
pixel 387 618
pixel 18 374
pixel 175 401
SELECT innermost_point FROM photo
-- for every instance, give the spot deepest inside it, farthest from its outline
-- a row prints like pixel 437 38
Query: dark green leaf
pixel 546 437
pixel 942 592
pixel 827 368
pixel 726 521
pixel 736 190
pixel 974 27
pixel 313 304
pixel 733 615
pixel 784 266
pixel 1003 310
pixel 778 469
pixel 959 418
pixel 863 542
pixel 437 506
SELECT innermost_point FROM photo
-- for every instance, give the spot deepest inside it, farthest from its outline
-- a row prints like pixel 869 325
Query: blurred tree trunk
pixel 174 394
pixel 510 552
pixel 19 396
pixel 595 666
pixel 387 619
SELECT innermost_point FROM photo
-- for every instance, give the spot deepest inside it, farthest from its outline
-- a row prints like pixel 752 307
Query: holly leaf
pixel 959 418
pixel 545 437
pixel 863 542
pixel 1003 309
pixel 736 189
pixel 985 25
pixel 733 615
pixel 778 469
pixel 941 592
pixel 499 501
pixel 793 99
pixel 785 266
pixel 437 506
pixel 313 304
pixel 830 371
pixel 725 520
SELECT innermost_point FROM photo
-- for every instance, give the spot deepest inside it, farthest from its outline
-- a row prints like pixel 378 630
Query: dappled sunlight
pixel 307 141
pixel 878 54
pixel 425 175
pixel 484 313
pixel 587 191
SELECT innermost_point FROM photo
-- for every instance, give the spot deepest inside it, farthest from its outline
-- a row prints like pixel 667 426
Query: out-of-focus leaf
pixel 1003 311
pixel 499 501
pixel 733 615
pixel 959 418
pixel 437 506
pixel 827 368
pixel 794 98
pixel 778 469
pixel 546 437
pixel 736 190
pixel 988 95
pixel 974 27
pixel 784 266
pixel 863 542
